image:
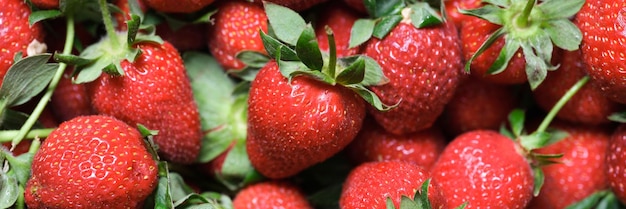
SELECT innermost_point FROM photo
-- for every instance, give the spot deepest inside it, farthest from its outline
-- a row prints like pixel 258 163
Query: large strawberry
pixel 17 34
pixel 616 162
pixel 603 24
pixel 271 194
pixel 92 162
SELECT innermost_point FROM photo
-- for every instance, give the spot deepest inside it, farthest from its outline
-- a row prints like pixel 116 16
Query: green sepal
pixel 371 98
pixel 71 59
pixel 133 27
pixel 546 159
pixel 423 15
pixel 25 79
pixel 236 167
pixel 488 12
pixel 381 8
pixel 162 194
pixel 361 32
pixel 353 74
pixel 21 165
pixel 389 203
pixel 502 61
pixel 146 132
pixel 40 15
pixel 385 25
pixel 535 140
pixel 293 69
pixel 619 117
pixel 536 67
pixel 286 23
pixel 308 50
pixel 556 9
pixel 539 179
pixel 484 46
pixel 517 120
pixel 272 46
pixel 590 201
pixel 564 34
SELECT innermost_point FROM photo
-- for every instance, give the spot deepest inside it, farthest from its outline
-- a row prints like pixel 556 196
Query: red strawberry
pixel 603 25
pixel 373 143
pixel 370 184
pixel 91 162
pixel 155 92
pixel 298 5
pixel 271 194
pixel 486 169
pixel 616 162
pixel 453 6
pixel 70 100
pixel 580 171
pixel 588 106
pixel 236 29
pixel 473 99
pixel 46 4
pixel 292 126
pixel 175 6
pixel 422 84
pixel 17 34
pixel 340 19
pixel 125 13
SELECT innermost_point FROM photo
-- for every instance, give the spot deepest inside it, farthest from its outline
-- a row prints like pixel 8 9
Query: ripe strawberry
pixel 46 4
pixel 580 171
pixel 298 5
pixel 91 162
pixel 603 24
pixel 474 99
pixel 17 34
pixel 616 162
pixel 70 100
pixel 373 143
pixel 422 84
pixel 172 6
pixel 271 194
pixel 588 106
pixel 486 169
pixel 236 29
pixel 340 19
pixel 453 6
pixel 294 125
pixel 124 15
pixel 369 185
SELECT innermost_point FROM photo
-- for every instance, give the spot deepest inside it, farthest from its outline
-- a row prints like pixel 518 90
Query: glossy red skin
pixel 70 100
pixel 581 172
pixel 340 19
pixel 603 25
pixel 452 10
pixel 155 92
pixel 271 194
pixel 484 168
pixel 235 29
pixel 422 77
pixel 176 6
pixel 294 126
pixel 297 5
pixel 368 185
pixel 616 163
pixel 373 143
pixel 91 162
pixel 16 32
pixel 478 105
pixel 588 106
pixel 474 31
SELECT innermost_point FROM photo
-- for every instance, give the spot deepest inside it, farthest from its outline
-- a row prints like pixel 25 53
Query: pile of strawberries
pixel 237 104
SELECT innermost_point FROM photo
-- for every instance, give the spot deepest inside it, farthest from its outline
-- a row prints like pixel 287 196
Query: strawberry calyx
pixel 534 28
pixel 420 200
pixel 293 44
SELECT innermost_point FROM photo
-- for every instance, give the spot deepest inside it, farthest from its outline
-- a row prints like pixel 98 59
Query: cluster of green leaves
pixel 420 200
pixel 604 199
pixel 531 27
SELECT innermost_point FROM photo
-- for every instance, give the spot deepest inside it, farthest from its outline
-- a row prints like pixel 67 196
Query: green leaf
pixel 308 49
pixel 71 59
pixel 500 3
pixel 272 46
pixel 383 8
pixel 619 117
pixel 133 28
pixel 361 32
pixel 385 25
pixel 536 68
pixel 590 201
pixel 502 61
pixel 556 135
pixel 252 58
pixel 462 206
pixel 564 34
pixel 517 120
pixel 353 74
pixel 374 75
pixel 389 204
pixel 162 195
pixel 20 167
pixel 422 196
pixel 535 140
pixel 27 78
pixel 539 180
pixel 317 75
pixel 408 203
pixel 422 15
pixel 370 97
pixel 41 15
pixel 488 12
pixel 557 9
pixel 236 166
pixel 286 23
pixel 490 40
pixel 14 120
pixel 9 190
pixel 610 202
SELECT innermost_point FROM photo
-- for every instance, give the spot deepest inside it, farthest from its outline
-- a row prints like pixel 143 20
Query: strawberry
pixel 373 184
pixel 616 162
pixel 271 194
pixel 588 106
pixel 17 34
pixel 124 15
pixel 340 19
pixel 171 6
pixel 579 172
pixel 474 99
pixel 235 29
pixel 603 44
pixel 421 84
pixel 452 10
pixel 484 168
pixel 373 143
pixel 298 5
pixel 70 100
pixel 91 162
pixel 293 125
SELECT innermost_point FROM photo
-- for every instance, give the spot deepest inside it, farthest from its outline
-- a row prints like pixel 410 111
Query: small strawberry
pixel 588 106
pixel 17 34
pixel 373 143
pixel 70 100
pixel 235 29
pixel 579 172
pixel 603 25
pixel 271 194
pixel 175 6
pixel 375 184
pixel 340 19
pixel 616 162
pixel 91 162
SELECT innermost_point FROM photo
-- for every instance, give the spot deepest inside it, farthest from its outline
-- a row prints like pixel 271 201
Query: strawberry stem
pixel 108 23
pixel 522 20
pixel 332 51
pixel 9 135
pixel 559 104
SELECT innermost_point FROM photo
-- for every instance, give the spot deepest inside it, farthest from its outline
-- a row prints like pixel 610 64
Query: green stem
pixel 559 104
pixel 332 50
pixel 522 20
pixel 32 119
pixel 108 23
pixel 9 135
